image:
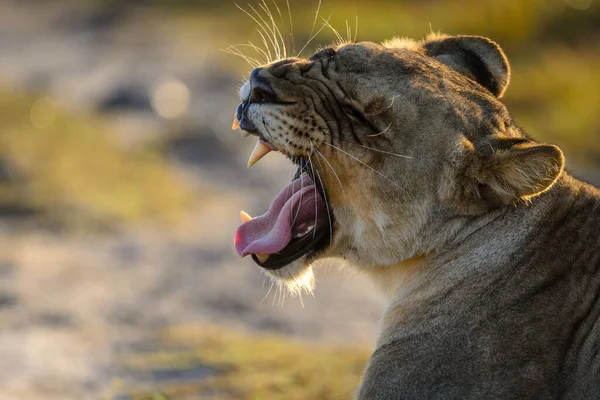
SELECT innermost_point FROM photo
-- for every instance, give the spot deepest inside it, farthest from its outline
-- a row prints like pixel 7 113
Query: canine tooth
pixel 245 217
pixel 236 123
pixel 260 150
pixel 262 257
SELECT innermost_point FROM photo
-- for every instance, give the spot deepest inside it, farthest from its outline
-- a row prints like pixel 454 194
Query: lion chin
pixel 411 170
pixel 296 277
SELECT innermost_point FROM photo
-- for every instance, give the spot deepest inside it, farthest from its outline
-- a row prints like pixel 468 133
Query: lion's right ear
pixel 509 169
pixel 473 56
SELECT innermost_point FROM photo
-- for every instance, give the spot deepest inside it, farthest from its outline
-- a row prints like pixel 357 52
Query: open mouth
pixel 297 223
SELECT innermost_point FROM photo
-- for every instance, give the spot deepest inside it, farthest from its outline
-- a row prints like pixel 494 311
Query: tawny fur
pixel 488 250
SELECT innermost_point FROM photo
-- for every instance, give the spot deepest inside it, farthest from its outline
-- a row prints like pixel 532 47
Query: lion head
pixel 398 145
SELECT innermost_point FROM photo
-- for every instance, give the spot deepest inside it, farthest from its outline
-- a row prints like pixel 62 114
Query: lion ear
pixel 473 56
pixel 508 169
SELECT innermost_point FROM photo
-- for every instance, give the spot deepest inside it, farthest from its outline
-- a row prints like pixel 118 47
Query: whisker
pixel 328 212
pixel 277 287
pixel 264 40
pixel 363 163
pixel 275 25
pixel 337 34
pixel 300 298
pixel 259 24
pixel 386 152
pixel 259 50
pixel 259 31
pixel 283 293
pixel 301 198
pixel 274 28
pixel 348 32
pixel 355 27
pixel 255 48
pixel 312 167
pixel 288 192
pixel 291 26
pixel 311 36
pixel 324 192
pixel 315 20
pixel 236 52
pixel 333 170
pixel 382 132
pixel 386 107
pixel 290 30
pixel 268 291
pixel 278 10
pixel 270 30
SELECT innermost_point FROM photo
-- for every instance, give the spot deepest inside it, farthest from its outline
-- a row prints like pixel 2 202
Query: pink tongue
pixel 270 233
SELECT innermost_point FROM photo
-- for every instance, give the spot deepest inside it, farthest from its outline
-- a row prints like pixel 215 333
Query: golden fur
pixel 488 251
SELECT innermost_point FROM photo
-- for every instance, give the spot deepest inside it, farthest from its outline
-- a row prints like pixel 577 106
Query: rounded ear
pixel 516 169
pixel 476 57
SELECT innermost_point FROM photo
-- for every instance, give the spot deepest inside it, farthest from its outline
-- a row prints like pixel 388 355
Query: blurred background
pixel 121 183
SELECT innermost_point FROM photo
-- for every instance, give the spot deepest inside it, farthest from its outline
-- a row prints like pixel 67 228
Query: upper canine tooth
pixel 245 217
pixel 260 150
pixel 236 123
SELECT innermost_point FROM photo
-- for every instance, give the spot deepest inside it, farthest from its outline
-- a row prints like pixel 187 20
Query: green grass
pixel 252 366
pixel 68 167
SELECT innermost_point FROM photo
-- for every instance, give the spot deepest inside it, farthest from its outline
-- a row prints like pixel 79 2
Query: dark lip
pixel 309 244
pixel 245 122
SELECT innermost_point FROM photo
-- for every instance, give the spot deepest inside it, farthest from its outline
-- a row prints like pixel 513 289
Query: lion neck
pixel 392 278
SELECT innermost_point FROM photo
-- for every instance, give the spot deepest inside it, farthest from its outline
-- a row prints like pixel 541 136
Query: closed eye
pixel 358 116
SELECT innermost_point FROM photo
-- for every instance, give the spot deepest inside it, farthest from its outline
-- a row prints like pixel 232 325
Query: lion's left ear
pixel 473 56
pixel 512 169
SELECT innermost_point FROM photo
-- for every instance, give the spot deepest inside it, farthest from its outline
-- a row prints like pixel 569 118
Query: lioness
pixel 411 169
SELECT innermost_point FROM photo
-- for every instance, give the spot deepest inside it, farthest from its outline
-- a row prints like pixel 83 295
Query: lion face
pixel 396 144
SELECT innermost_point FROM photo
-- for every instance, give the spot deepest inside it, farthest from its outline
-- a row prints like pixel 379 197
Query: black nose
pixel 261 90
pixel 243 119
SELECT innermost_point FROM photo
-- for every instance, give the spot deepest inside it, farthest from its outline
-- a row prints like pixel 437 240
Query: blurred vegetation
pixel 66 167
pixel 257 366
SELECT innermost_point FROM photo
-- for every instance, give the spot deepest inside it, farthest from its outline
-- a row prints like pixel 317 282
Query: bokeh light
pixel 170 98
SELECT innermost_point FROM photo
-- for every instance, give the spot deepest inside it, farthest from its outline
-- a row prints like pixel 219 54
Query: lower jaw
pixel 297 273
pixel 278 261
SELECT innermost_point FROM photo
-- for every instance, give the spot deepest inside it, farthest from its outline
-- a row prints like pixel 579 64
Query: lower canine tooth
pixel 245 217
pixel 260 150
pixel 236 123
pixel 310 228
pixel 262 257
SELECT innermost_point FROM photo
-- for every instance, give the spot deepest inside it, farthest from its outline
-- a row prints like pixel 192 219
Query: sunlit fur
pixel 488 250
pixel 363 166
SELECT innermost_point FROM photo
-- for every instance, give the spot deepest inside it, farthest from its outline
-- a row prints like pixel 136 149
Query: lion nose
pixel 261 90
pixel 243 119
